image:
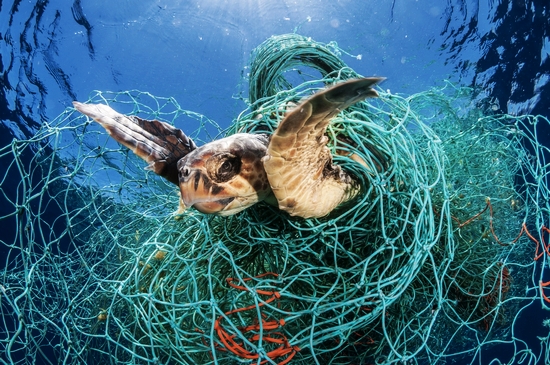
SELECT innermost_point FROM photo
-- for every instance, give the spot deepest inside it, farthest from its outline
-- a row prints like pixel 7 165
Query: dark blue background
pixel 54 52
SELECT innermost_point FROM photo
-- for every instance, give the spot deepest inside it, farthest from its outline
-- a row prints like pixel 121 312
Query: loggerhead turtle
pixel 291 169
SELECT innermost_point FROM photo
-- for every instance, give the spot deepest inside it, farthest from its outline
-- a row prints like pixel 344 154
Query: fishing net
pixel 431 261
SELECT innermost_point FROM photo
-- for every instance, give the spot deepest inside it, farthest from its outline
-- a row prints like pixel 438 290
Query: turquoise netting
pixel 432 261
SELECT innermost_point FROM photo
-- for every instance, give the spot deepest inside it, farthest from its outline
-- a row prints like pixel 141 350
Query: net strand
pixel 425 265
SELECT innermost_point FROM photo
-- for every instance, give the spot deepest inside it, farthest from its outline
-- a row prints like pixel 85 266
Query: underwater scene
pixel 275 182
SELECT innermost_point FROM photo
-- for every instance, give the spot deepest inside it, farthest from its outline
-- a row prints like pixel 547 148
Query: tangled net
pixel 431 261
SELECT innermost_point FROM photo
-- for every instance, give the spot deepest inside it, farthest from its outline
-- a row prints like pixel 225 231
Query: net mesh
pixel 431 260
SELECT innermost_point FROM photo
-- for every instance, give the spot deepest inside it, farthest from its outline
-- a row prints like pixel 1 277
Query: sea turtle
pixel 291 169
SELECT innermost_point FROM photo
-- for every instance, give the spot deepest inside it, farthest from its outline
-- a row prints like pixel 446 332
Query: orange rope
pixel 487 200
pixel 285 349
pixel 537 256
pixel 490 207
pixel 545 246
pixel 542 286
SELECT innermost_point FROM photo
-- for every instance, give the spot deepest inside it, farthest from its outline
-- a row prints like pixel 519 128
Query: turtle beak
pixel 198 191
pixel 213 207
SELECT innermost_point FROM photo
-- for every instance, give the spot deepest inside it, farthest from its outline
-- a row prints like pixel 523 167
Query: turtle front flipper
pixel 299 165
pixel 158 143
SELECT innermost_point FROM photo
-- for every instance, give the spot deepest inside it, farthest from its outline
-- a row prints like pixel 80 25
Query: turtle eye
pixel 223 167
pixel 226 167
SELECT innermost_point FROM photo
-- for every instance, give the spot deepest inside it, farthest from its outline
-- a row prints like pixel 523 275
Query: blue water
pixel 54 52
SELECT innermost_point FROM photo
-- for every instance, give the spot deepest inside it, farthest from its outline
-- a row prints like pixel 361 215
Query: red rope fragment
pixel 267 326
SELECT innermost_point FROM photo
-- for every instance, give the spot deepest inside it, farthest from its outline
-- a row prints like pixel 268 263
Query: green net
pixel 431 261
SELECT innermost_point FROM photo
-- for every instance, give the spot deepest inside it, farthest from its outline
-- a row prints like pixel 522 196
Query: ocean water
pixel 198 52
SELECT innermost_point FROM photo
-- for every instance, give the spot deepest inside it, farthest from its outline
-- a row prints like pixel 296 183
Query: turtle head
pixel 225 176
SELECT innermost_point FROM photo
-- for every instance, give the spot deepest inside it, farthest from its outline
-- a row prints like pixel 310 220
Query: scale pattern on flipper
pixel 158 143
pixel 299 165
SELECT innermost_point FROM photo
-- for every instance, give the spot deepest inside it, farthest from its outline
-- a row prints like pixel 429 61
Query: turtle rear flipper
pixel 299 165
pixel 158 143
